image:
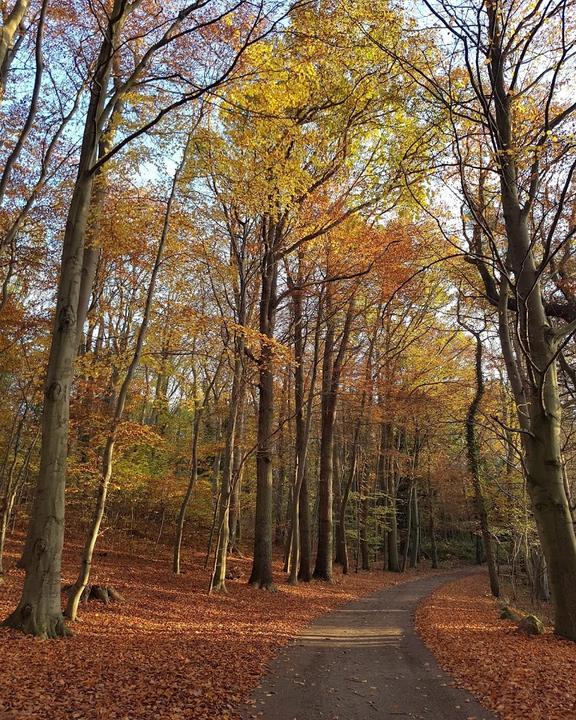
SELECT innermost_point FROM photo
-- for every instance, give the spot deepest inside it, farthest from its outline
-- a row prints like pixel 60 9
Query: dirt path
pixel 364 661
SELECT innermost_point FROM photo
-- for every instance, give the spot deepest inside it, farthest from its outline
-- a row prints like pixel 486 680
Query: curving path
pixel 364 661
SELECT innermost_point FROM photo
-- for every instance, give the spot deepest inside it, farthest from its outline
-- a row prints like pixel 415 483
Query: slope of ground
pixel 168 652
pixel 516 676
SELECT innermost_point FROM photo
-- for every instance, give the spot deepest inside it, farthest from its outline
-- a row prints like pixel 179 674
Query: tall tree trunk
pixel 363 514
pixel 331 371
pixel 189 490
pixel 339 489
pixel 415 543
pixel 432 524
pixel 229 478
pixel 237 474
pixel 39 611
pixel 392 493
pixel 341 540
pixel 280 525
pixel 342 543
pixel 541 435
pixel 305 565
pixel 300 545
pixel 473 455
pixel 92 250
pixel 409 507
pixel 323 566
pixel 261 575
pixel 381 485
pixel 10 27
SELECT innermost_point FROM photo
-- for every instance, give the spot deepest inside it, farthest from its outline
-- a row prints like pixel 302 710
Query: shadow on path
pixel 364 661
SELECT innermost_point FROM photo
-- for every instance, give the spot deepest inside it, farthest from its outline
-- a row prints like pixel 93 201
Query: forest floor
pixel 169 651
pixel 522 599
pixel 517 676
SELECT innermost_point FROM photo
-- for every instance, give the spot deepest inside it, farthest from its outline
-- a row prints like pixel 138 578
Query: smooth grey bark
pixel 92 250
pixel 532 370
pixel 305 522
pixel 407 542
pixel 432 524
pixel 331 372
pixel 415 539
pixel 323 565
pixel 392 494
pixel 363 516
pixel 229 478
pixel 341 540
pixel 473 456
pixel 11 24
pixel 237 474
pixel 381 485
pixel 281 534
pixel 233 456
pixel 300 521
pixel 39 610
pixel 262 575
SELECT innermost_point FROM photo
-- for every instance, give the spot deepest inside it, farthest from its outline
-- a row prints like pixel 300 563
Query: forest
pixel 287 319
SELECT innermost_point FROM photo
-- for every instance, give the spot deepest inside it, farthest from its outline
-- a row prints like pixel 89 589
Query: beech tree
pixel 503 82
pixel 39 611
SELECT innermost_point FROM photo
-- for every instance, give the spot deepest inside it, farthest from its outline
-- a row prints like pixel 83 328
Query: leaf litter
pixel 169 651
pixel 518 677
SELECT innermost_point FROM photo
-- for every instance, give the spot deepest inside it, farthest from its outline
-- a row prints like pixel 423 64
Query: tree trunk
pixel 474 469
pixel 188 494
pixel 415 543
pixel 331 371
pixel 300 546
pixel 541 431
pixel 237 474
pixel 10 27
pixel 39 611
pixel 323 567
pixel 363 513
pixel 431 509
pixel 408 538
pixel 339 531
pixel 261 575
pixel 342 549
pixel 229 478
pixel 392 485
pixel 108 454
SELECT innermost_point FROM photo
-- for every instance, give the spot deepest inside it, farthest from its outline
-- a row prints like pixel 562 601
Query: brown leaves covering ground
pixel 516 676
pixel 168 652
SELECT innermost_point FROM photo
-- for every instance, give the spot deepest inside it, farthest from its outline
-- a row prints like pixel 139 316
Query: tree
pixel 39 611
pixel 474 461
pixel 503 93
